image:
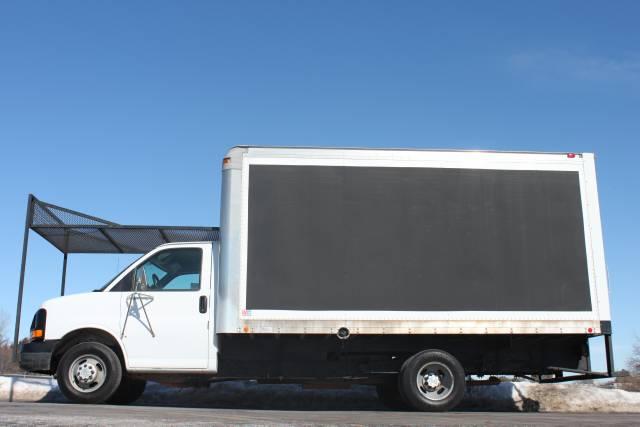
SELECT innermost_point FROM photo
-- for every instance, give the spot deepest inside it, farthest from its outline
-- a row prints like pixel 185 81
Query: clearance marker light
pixel 571 155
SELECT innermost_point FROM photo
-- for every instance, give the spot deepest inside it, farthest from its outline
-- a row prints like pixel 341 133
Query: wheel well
pixel 85 335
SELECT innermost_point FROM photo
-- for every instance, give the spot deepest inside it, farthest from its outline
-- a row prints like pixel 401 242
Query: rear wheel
pixel 432 380
pixel 89 372
pixel 129 391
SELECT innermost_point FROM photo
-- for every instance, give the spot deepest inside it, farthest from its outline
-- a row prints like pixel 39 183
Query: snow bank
pixel 533 397
pixel 521 396
pixel 29 389
pixel 579 398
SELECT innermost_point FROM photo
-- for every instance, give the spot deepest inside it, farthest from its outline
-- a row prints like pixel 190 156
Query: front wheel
pixel 432 380
pixel 89 372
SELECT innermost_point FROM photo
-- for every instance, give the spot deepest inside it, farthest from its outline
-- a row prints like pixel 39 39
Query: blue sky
pixel 124 110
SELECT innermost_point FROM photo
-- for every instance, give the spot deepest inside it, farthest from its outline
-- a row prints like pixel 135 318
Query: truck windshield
pixel 113 278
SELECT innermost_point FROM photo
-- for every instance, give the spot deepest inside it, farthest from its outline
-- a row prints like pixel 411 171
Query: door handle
pixel 203 304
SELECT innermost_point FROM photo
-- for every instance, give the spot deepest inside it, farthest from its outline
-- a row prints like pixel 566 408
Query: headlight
pixel 38 324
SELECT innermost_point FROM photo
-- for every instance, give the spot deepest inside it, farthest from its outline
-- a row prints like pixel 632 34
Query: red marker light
pixel 571 155
pixel 590 330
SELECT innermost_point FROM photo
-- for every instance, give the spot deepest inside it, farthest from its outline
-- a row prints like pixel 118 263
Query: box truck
pixel 410 270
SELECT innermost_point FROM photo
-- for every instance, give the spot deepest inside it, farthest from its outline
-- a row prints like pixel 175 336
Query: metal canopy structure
pixel 73 232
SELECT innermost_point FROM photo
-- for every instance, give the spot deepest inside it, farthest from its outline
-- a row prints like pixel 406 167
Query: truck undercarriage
pixel 371 358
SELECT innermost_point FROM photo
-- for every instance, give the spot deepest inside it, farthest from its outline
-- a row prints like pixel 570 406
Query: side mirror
pixel 140 283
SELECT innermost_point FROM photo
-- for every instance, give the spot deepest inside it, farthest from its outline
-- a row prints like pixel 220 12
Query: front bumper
pixel 36 356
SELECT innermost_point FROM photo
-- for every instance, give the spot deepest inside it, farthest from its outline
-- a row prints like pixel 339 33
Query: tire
pixel 129 391
pixel 389 395
pixel 89 372
pixel 432 381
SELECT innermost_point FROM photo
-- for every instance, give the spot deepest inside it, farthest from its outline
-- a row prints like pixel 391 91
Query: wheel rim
pixel 435 381
pixel 87 373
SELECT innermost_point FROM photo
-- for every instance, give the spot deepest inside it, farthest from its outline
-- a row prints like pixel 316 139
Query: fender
pixel 93 333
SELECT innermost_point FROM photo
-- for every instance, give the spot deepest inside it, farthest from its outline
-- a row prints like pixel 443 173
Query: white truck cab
pixel 157 312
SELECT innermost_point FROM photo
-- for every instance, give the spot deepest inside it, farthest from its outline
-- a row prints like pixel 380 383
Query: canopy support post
pixel 64 274
pixel 25 244
pixel 64 262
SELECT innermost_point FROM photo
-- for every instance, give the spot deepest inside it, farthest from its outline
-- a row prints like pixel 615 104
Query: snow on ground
pixel 520 396
pixel 29 389
pixel 568 397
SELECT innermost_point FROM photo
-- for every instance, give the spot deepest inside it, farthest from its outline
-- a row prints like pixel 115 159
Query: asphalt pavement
pixel 13 413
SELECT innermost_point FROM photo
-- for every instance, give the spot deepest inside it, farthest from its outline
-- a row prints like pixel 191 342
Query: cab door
pixel 165 318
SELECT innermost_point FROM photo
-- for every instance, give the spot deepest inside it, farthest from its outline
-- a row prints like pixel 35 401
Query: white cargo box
pixel 410 241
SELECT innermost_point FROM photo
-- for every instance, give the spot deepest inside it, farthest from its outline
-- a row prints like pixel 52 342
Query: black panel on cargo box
pixel 389 238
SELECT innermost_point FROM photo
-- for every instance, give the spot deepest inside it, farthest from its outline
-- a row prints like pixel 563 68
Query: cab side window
pixel 170 270
pixel 125 284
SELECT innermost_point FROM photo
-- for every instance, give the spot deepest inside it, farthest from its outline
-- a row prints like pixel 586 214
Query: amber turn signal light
pixel 37 335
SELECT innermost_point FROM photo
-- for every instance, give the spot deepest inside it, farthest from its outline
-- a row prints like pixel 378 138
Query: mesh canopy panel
pixel 75 232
